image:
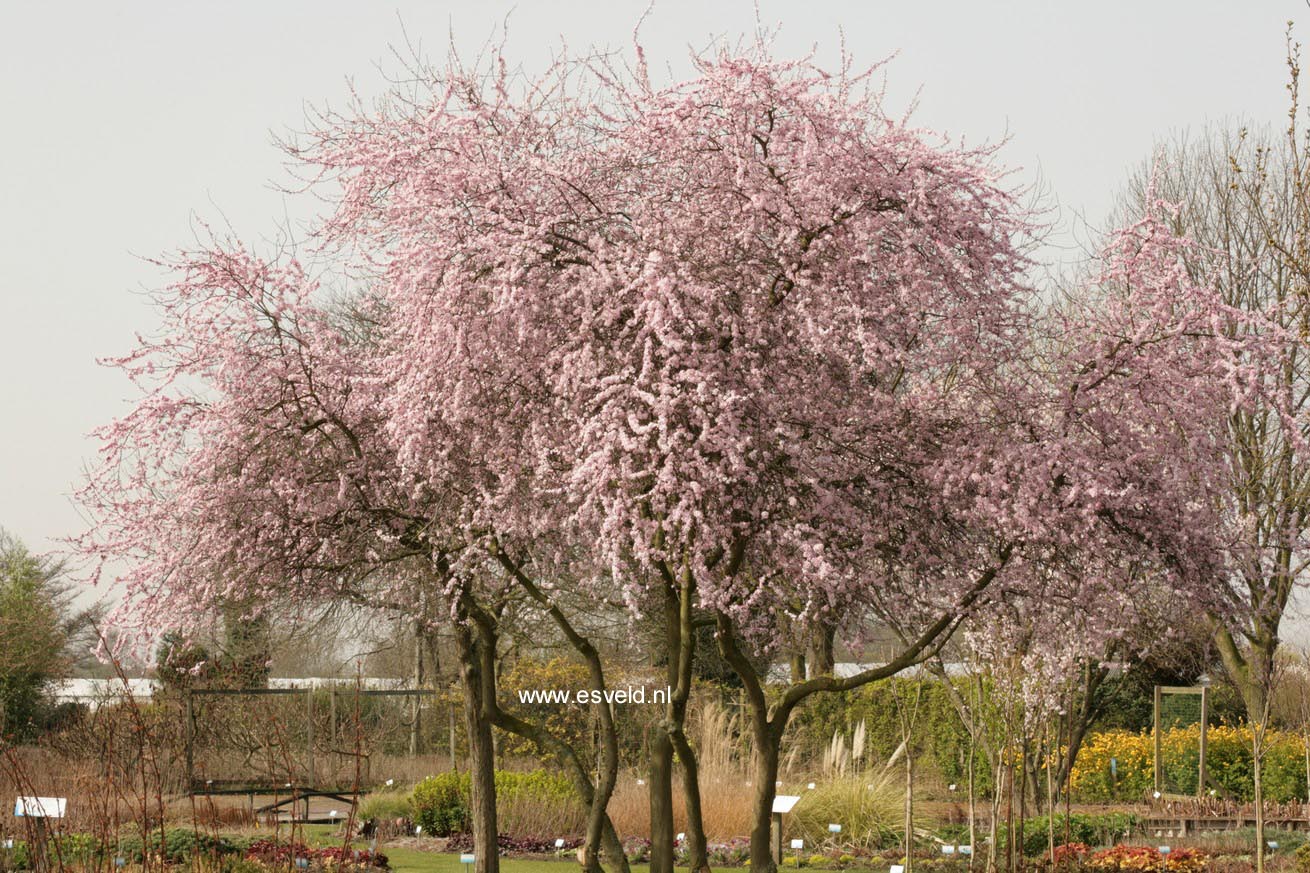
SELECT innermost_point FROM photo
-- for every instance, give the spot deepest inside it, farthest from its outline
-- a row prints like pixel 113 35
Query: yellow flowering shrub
pixel 1228 763
pixel 1092 779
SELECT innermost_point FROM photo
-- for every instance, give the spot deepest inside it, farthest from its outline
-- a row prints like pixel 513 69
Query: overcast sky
pixel 120 124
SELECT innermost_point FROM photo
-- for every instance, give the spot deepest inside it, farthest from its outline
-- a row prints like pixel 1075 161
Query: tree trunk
pixel 973 802
pixel 661 747
pixel 1078 723
pixel 1019 859
pixel 661 801
pixel 822 658
pixel 797 664
pixel 600 832
pixel 1257 753
pixel 600 829
pixel 416 707
pixel 909 810
pixel 698 849
pixel 766 784
pixel 680 641
pixel 1305 744
pixel 697 845
pixel 1050 798
pixel 993 832
pixel 770 723
pixel 475 664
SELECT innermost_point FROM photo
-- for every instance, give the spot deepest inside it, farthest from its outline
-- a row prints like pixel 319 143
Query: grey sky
pixel 120 123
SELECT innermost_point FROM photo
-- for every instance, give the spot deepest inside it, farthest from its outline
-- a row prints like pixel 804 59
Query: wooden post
pixel 190 719
pixel 1156 741
pixel 1205 718
pixel 38 851
pixel 454 762
pixel 309 738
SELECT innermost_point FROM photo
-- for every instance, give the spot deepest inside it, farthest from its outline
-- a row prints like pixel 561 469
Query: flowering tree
pixel 737 336
pixel 743 347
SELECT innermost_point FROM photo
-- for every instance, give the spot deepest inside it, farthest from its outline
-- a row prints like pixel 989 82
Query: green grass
pixel 405 860
pixel 416 861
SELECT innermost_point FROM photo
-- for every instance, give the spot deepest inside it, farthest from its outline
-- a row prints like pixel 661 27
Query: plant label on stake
pixel 783 803
pixel 834 828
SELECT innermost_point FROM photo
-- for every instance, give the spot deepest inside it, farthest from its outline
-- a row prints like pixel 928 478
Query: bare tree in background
pixel 1244 195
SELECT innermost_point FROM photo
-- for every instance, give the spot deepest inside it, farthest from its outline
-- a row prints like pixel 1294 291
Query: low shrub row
pixel 177 846
pixel 1145 859
pixel 534 803
pixel 1090 829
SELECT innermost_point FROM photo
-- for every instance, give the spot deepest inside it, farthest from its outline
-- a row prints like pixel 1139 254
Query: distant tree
pixel 182 663
pixel 37 627
pixel 247 647
pixel 238 658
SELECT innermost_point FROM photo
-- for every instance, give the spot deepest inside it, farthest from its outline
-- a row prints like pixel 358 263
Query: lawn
pixel 418 861
pixel 409 860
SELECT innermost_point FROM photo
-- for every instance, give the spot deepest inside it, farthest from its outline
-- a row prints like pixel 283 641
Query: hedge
pixel 441 803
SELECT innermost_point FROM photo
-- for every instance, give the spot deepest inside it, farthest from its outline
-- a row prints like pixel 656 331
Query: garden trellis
pixel 1176 707
pixel 250 740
